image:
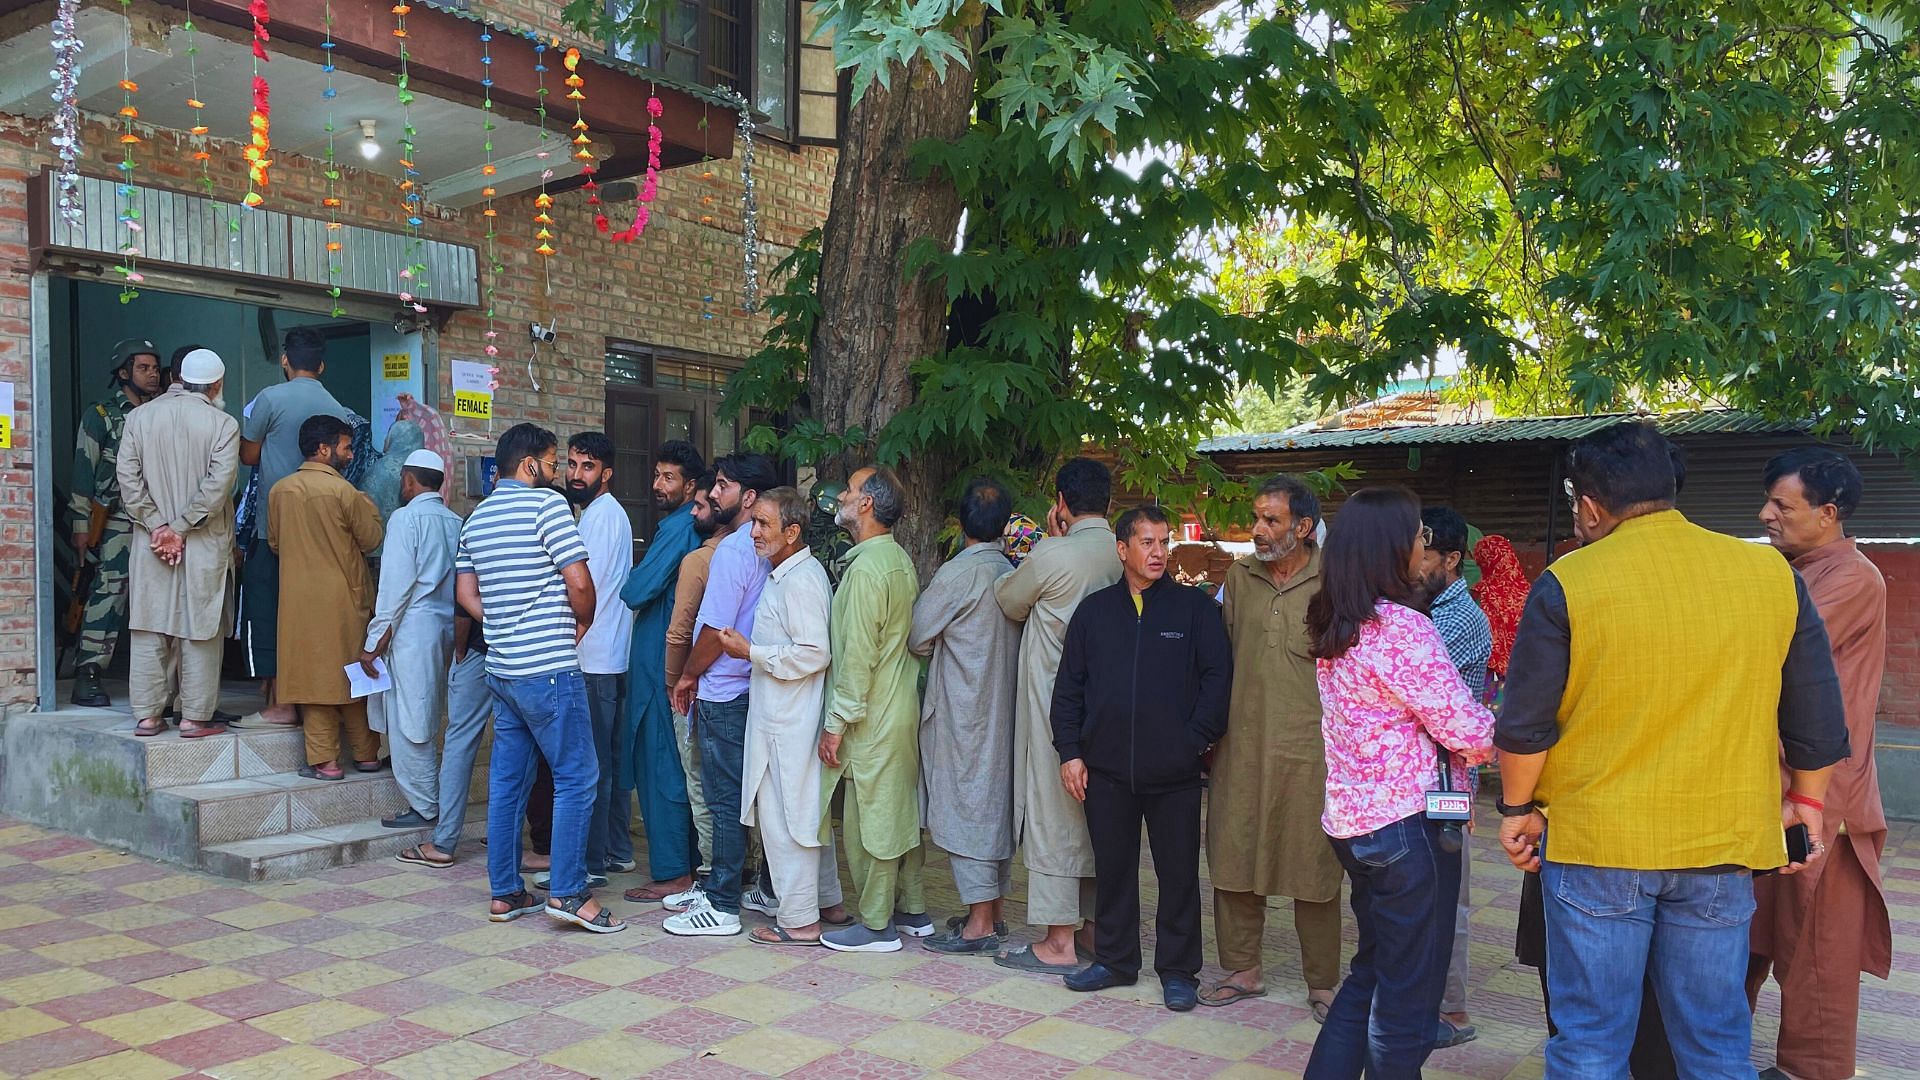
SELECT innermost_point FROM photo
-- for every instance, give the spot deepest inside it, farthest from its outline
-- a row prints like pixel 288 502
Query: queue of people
pixel 1329 708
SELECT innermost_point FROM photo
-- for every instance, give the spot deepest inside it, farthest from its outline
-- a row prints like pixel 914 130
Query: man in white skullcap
pixel 178 456
pixel 412 629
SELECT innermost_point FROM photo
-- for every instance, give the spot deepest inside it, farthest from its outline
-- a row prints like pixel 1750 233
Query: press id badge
pixel 1449 806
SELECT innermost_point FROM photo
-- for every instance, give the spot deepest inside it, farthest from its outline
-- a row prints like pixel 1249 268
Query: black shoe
pixel 1096 976
pixel 87 691
pixel 1181 995
pixel 409 820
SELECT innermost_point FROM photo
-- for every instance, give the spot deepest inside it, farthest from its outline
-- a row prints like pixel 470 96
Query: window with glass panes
pixel 760 48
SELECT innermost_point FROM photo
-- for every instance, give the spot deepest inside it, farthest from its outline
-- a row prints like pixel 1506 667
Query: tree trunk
pixel 875 321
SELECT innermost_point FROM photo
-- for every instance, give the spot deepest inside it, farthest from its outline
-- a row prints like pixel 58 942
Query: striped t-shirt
pixel 516 542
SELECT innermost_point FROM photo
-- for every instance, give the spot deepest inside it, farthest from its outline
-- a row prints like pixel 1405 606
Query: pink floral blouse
pixel 1383 706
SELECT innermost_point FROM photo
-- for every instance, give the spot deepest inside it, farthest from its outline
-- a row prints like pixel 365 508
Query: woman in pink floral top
pixel 1390 698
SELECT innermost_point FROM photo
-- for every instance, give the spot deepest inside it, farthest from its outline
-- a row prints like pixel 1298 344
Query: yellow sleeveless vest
pixel 1669 746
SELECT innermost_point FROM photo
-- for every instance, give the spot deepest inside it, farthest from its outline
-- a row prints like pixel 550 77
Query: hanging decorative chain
pixel 66 107
pixel 129 217
pixel 487 171
pixel 583 152
pixel 336 230
pixel 650 184
pixel 543 201
pixel 259 119
pixel 749 210
pixel 199 129
pixel 416 270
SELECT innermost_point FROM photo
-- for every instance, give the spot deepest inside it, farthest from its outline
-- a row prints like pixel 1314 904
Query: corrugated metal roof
pixel 1514 429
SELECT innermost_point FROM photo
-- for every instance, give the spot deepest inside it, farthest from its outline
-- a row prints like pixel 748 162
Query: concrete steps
pixel 231 804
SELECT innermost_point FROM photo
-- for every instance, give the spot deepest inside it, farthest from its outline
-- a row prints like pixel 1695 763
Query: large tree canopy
pixel 1593 202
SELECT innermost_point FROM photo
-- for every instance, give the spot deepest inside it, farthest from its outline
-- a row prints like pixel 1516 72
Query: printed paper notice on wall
pixel 6 416
pixel 396 367
pixel 472 389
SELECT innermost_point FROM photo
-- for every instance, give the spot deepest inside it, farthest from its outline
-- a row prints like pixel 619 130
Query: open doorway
pixel 368 365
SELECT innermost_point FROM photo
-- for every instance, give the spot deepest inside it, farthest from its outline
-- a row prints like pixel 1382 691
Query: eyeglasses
pixel 1426 535
pixel 1567 486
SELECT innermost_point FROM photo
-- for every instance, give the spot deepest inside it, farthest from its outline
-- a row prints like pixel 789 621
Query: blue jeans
pixel 469 707
pixel 1405 892
pixel 1610 930
pixel 547 712
pixel 608 837
pixel 721 727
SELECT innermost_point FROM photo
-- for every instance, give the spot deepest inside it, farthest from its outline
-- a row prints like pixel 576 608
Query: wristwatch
pixel 1522 810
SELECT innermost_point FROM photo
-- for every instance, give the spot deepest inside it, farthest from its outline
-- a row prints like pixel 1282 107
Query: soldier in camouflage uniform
pixel 829 542
pixel 136 378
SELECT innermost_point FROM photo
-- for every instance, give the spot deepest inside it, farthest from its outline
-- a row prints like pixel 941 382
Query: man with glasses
pixel 522 569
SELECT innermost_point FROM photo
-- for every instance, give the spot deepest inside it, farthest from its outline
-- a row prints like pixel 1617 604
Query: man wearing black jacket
pixel 1142 693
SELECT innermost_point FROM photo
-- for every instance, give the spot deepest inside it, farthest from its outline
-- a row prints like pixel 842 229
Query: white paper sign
pixel 472 389
pixel 360 684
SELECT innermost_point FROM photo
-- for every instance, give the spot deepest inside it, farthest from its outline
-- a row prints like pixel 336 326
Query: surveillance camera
pixel 542 334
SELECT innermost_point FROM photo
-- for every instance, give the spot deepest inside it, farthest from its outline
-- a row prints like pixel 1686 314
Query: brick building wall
pixel 649 291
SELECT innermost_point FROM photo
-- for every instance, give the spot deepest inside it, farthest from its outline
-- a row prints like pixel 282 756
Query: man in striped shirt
pixel 522 570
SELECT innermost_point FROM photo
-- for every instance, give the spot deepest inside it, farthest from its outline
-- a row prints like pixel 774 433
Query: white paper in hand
pixel 360 684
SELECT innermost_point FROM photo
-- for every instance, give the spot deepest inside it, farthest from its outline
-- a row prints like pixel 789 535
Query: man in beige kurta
pixel 1078 556
pixel 322 529
pixel 1820 928
pixel 1270 771
pixel 178 456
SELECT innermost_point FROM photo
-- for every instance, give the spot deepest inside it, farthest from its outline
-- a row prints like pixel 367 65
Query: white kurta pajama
pixel 780 785
pixel 415 601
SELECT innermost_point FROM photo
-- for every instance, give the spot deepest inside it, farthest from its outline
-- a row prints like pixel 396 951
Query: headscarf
pixel 1019 536
pixel 1502 594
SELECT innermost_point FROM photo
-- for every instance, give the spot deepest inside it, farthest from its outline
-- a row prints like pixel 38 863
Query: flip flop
pixel 202 731
pixel 418 858
pixel 141 729
pixel 1233 994
pixel 778 936
pixel 1321 1010
pixel 313 773
pixel 644 894
pixel 1022 959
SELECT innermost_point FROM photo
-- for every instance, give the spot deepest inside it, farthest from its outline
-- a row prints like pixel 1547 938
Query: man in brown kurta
pixel 322 529
pixel 1820 928
pixel 1270 771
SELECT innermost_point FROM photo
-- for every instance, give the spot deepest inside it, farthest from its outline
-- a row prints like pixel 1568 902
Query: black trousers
pixel 1114 815
pixel 540 811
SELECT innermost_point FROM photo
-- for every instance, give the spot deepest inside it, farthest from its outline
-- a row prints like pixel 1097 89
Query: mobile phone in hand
pixel 1799 845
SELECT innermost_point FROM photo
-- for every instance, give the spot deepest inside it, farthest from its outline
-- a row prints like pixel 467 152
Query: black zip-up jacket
pixel 1141 696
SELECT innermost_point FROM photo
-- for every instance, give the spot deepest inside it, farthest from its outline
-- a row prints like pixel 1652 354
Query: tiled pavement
pixel 123 969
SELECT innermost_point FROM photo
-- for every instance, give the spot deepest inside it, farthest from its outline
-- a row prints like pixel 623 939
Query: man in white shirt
pixel 413 628
pixel 608 534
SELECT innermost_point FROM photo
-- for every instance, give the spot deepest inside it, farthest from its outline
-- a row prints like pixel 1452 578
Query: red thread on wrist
pixel 1806 800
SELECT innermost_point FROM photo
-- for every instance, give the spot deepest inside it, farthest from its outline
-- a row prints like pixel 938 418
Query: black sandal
pixel 524 903
pixel 567 910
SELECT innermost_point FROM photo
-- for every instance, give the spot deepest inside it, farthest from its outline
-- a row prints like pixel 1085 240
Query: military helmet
pixel 826 496
pixel 125 351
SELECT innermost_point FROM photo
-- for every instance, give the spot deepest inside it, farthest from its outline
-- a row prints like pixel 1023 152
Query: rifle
pixel 83 570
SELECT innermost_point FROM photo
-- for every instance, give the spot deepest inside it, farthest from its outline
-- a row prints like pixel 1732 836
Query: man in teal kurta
pixel 651 761
pixel 872 739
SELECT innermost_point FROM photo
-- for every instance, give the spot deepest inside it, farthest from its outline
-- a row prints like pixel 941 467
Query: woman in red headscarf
pixel 1501 593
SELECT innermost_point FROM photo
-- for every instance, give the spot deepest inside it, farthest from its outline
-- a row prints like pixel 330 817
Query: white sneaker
pixel 686 899
pixel 756 899
pixel 702 921
pixel 622 866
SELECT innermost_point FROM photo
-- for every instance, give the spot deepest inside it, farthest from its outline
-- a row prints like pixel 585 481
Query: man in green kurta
pixel 1270 771
pixel 871 744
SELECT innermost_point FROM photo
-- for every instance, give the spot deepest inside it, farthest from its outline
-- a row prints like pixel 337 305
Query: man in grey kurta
pixel 966 719
pixel 178 456
pixel 1077 557
pixel 413 628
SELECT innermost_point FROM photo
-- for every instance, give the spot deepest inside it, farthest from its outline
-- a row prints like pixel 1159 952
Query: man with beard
pixel 175 466
pixel 719 683
pixel 96 494
pixel 650 764
pixel 608 534
pixel 1469 640
pixel 1270 770
pixel 323 529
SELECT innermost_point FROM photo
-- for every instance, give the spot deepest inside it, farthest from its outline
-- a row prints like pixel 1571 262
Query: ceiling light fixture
pixel 369 142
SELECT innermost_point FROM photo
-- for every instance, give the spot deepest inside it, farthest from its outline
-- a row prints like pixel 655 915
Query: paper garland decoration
pixel 331 202
pixel 199 129
pixel 650 185
pixel 129 267
pixel 488 170
pixel 543 201
pixel 259 119
pixel 415 270
pixel 584 155
pixel 66 108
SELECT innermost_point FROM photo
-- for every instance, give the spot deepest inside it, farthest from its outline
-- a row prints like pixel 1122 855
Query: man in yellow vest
pixel 1657 676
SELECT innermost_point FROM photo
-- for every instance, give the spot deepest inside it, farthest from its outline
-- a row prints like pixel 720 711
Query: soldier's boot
pixel 87 691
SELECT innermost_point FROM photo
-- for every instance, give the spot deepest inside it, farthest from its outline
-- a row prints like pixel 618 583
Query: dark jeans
pixel 1405 895
pixel 721 727
pixel 1114 814
pixel 607 838
pixel 534 717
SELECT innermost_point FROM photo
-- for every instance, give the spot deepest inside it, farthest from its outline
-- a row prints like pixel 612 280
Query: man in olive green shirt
pixel 872 739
